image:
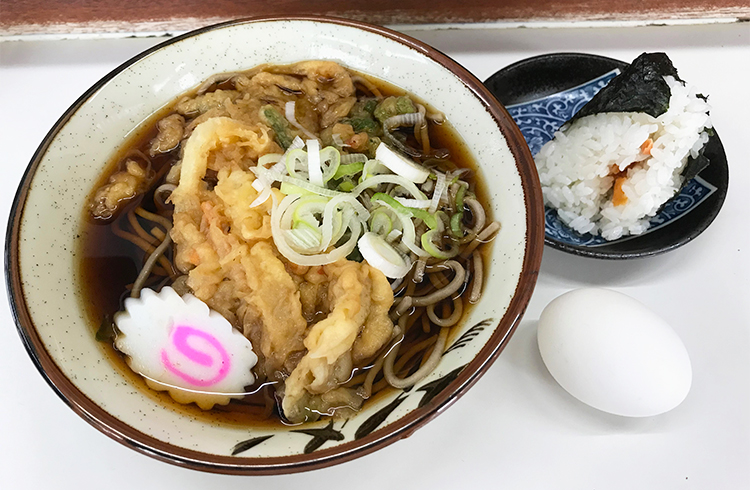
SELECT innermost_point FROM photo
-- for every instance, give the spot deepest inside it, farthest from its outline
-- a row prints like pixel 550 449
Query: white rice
pixel 576 167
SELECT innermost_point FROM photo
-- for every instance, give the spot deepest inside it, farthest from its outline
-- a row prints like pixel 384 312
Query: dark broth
pixel 109 264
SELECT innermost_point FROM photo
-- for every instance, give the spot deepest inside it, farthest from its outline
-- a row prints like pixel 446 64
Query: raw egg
pixel 613 353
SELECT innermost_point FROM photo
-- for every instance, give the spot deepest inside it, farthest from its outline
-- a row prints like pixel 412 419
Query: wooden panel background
pixel 18 17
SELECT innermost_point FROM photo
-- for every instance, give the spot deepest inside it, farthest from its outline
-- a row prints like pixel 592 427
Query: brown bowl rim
pixel 404 427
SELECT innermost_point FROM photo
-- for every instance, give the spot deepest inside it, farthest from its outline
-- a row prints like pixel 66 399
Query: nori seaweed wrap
pixel 641 88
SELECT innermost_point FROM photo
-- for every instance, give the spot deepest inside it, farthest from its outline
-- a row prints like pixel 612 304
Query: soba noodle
pixel 434 222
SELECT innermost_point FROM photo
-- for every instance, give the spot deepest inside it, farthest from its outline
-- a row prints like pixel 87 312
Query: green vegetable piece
pixel 372 146
pixel 366 124
pixel 288 189
pixel 331 161
pixel 363 108
pixel 294 159
pixel 460 194
pixel 107 331
pixel 370 105
pixel 346 186
pixel 456 218
pixel 279 124
pixel 456 225
pixel 404 105
pixel 428 218
pixel 428 244
pixel 380 222
pixel 393 106
pixel 348 170
pixel 360 118
pixel 385 109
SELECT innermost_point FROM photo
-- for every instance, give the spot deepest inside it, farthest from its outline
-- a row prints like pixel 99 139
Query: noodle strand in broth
pixel 345 158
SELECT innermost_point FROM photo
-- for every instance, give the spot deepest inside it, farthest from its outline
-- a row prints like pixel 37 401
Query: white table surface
pixel 516 428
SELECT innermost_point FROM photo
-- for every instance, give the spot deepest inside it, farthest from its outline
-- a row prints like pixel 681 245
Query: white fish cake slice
pixel 180 345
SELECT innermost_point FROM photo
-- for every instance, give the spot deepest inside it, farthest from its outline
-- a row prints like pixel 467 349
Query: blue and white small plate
pixel 542 93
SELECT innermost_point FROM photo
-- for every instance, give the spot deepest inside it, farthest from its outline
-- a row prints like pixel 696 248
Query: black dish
pixel 544 75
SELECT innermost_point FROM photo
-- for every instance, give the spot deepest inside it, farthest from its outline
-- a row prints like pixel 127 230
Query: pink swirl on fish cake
pixel 180 336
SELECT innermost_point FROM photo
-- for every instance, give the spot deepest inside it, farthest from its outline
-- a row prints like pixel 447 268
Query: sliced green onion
pixel 393 235
pixel 287 189
pixel 428 243
pixel 290 113
pixel 401 165
pixel 380 222
pixel 456 225
pixel 271 176
pixel 348 170
pixel 303 238
pixel 269 158
pixel 443 221
pixel 296 159
pixel 297 143
pixel 414 203
pixel 262 197
pixel 409 240
pixel 440 186
pixel 281 239
pixel 337 140
pixel 354 158
pixel 389 179
pixel 428 219
pixel 456 218
pixel 298 162
pixel 302 224
pixel 330 160
pixel 322 191
pixel 382 256
pixel 460 193
pixel 314 172
pixel 333 206
pixel 339 218
pixel 373 168
pixel 307 208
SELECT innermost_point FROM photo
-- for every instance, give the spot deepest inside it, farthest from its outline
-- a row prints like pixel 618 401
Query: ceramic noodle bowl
pixel 43 270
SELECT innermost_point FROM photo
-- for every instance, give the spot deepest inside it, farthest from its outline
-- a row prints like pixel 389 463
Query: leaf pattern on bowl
pixel 469 335
pixel 320 436
pixel 433 388
pixel 428 392
pixel 379 417
pixel 243 446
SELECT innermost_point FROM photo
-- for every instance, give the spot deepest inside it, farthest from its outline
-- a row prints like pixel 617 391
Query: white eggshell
pixel 611 352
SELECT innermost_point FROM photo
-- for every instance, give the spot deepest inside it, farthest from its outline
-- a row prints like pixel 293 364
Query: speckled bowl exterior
pixel 43 240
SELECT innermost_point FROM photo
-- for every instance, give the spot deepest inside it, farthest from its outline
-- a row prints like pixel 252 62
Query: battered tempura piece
pixel 360 298
pixel 225 247
pixel 295 202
